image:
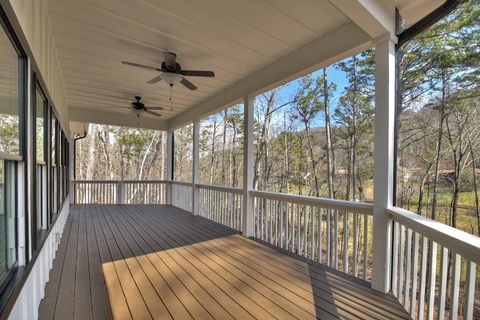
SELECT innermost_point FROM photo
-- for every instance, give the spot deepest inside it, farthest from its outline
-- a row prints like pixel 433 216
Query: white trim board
pixel 33 291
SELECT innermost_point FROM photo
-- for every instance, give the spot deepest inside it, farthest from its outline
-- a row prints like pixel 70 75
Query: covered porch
pixel 184 248
pixel 160 262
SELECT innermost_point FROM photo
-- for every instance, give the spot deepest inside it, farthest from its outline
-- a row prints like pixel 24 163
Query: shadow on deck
pixel 155 261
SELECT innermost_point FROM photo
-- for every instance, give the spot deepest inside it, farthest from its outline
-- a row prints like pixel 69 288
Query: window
pixel 40 107
pixel 12 77
pixel 53 163
pixel 10 64
pixel 7 218
pixel 40 166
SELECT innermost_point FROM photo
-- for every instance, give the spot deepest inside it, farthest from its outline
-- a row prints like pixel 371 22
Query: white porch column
pixel 169 176
pixel 384 163
pixel 71 169
pixel 196 168
pixel 247 221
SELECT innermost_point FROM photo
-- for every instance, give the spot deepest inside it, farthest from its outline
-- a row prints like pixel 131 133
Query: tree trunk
pixel 310 150
pixel 144 158
pixel 328 136
pixel 438 152
pixel 91 154
pixel 163 157
pixel 475 187
pixel 104 137
pixel 224 143
pixel 212 152
pixel 420 191
pixel 263 136
pixel 354 130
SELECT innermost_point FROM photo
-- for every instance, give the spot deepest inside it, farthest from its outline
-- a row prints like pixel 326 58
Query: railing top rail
pixel 118 181
pixel 181 183
pixel 11 157
pixel 460 242
pixel 220 188
pixel 359 207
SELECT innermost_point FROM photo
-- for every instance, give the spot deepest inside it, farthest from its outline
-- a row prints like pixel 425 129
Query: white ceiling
pixel 233 38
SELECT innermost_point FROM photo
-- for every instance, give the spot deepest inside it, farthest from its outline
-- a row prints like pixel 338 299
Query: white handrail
pixel 220 188
pixel 116 181
pixel 351 206
pixel 459 241
pixel 181 183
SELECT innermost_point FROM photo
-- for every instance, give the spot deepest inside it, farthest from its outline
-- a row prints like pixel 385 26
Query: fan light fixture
pixel 171 78
pixel 138 112
pixel 172 72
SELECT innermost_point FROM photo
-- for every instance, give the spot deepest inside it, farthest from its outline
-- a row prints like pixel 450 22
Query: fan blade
pixel 169 58
pixel 196 73
pixel 141 66
pixel 111 107
pixel 156 79
pixel 188 84
pixel 155 108
pixel 153 113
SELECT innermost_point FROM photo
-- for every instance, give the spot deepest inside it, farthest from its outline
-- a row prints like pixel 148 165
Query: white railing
pixel 120 191
pixel 329 231
pixel 221 204
pixel 182 195
pixel 434 268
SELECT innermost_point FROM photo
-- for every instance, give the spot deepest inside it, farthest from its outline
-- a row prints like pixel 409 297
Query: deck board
pixel 159 262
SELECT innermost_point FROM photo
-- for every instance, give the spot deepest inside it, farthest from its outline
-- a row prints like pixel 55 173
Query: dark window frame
pixel 7 283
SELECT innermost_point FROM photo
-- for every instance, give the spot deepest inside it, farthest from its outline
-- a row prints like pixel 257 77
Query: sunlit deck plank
pixel 160 262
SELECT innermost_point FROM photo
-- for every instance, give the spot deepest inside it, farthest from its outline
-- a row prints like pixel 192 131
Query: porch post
pixel 247 219
pixel 384 163
pixel 196 165
pixel 169 176
pixel 71 170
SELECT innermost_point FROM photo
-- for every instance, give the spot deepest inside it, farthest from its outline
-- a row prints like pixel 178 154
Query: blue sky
pixel 287 92
pixel 334 75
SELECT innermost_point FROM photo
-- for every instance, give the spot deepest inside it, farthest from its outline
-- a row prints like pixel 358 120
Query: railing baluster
pixel 262 219
pixel 413 303
pixel 292 228
pixel 423 279
pixel 355 244
pixel 312 233
pixel 409 269
pixel 277 216
pixel 455 286
pixel 401 264
pixel 335 248
pixel 365 246
pixel 320 235
pixel 271 221
pixel 396 245
pixel 443 284
pixel 469 307
pixel 329 240
pixel 282 212
pixel 432 279
pixel 305 231
pixel 345 242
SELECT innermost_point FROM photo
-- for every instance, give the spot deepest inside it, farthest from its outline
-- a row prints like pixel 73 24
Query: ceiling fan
pixel 139 108
pixel 171 71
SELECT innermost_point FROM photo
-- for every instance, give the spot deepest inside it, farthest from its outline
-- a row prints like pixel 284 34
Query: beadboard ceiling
pixel 235 39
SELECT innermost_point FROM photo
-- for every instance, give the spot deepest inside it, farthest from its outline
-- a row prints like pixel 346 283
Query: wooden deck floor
pixel 144 262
